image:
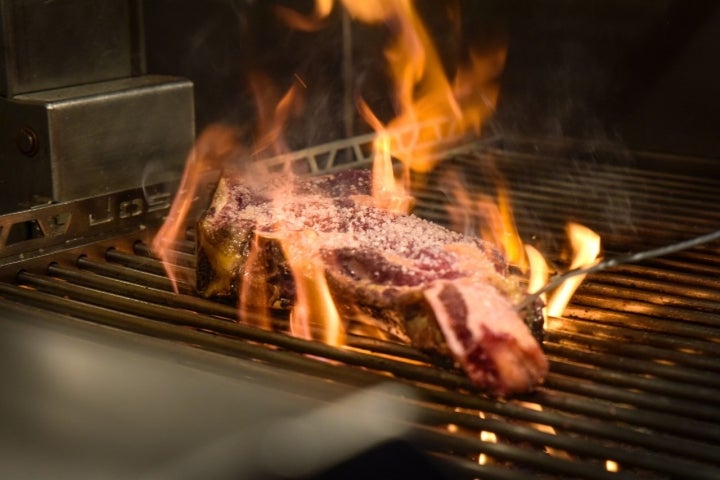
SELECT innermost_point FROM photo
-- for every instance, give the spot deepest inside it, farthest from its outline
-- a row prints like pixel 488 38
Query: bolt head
pixel 27 141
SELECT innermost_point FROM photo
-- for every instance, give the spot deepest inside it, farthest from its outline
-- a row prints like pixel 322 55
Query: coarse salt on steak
pixel 446 293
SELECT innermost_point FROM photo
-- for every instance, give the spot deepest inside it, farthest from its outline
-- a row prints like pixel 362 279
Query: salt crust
pixel 343 215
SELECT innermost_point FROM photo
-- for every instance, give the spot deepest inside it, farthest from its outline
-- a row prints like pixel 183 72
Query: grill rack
pixel 634 363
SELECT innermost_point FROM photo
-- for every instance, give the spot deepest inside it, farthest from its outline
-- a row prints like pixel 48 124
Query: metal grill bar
pixel 694 380
pixel 634 203
pixel 634 361
pixel 632 350
pixel 677 445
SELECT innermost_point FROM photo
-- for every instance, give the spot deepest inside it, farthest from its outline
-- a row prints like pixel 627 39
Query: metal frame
pixel 356 152
pixel 64 225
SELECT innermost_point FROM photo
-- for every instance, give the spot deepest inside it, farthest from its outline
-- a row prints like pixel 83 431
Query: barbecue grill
pixel 90 315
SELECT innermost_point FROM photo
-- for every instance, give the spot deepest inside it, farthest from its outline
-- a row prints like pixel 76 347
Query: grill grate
pixel 635 361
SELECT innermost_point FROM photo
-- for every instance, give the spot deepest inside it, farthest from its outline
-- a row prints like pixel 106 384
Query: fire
pixel 586 248
pixel 423 93
pixel 274 110
pixel 545 429
pixel 216 149
pixel 509 236
pixel 306 23
pixel 492 219
pixel 539 274
pixel 489 437
pixel 254 288
pixel 389 192
pixel 314 305
pixel 489 218
pixel 203 164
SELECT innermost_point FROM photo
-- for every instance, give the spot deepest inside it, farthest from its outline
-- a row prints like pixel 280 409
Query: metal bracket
pixel 442 134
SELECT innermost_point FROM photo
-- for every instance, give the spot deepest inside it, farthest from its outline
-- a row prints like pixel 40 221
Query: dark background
pixel 643 74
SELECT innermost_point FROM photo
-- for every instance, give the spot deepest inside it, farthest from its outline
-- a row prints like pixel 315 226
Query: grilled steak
pixel 443 292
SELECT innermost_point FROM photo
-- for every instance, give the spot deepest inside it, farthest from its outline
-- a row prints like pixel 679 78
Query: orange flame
pixel 211 154
pixel 539 274
pixel 491 220
pixel 422 89
pixel 389 192
pixel 545 429
pixel 306 23
pixel 314 304
pixel 423 93
pixel 476 87
pixel 274 110
pixel 510 239
pixel 586 248
pixel 203 164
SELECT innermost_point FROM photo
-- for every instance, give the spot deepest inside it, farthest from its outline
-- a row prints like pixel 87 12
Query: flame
pixel 212 147
pixel 274 111
pixel 538 276
pixel 254 289
pixel 389 192
pixel 423 94
pixel 314 304
pixel 476 87
pixel 306 23
pixel 612 466
pixel 491 219
pixel 213 151
pixel 510 239
pixel 423 91
pixel 586 248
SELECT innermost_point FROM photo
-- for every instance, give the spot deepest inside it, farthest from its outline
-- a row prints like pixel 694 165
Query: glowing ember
pixel 511 242
pixel 586 248
pixel 612 466
pixel 488 437
pixel 253 291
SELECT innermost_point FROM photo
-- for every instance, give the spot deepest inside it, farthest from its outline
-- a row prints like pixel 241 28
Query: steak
pixel 412 280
